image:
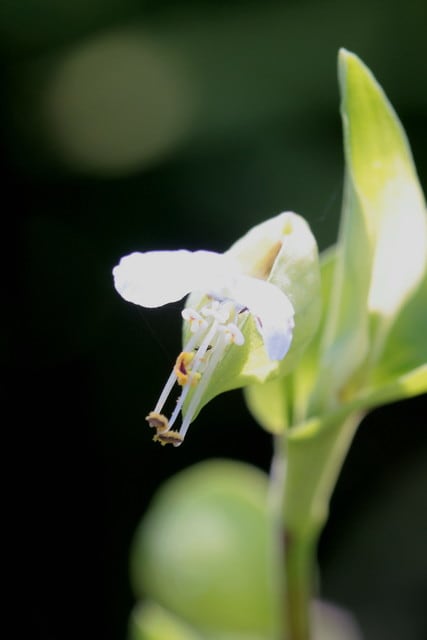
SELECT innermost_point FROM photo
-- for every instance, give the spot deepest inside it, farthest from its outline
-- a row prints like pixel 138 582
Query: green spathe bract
pixel 371 346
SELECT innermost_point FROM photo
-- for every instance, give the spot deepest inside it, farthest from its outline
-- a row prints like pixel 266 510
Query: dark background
pixel 142 125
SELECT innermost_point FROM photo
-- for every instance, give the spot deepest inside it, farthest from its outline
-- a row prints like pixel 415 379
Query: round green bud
pixel 204 552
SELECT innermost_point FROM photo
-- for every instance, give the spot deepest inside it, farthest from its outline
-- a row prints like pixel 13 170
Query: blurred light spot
pixel 117 103
pixel 333 623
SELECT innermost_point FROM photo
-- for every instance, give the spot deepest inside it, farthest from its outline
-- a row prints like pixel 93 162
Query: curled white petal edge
pixel 272 309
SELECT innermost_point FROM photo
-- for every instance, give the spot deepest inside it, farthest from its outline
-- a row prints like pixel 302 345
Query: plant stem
pixel 306 465
pixel 299 571
pixel 297 553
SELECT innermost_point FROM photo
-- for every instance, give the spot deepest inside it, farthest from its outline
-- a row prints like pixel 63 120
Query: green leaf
pixel 203 550
pixel 406 347
pixel 382 251
pixel 407 385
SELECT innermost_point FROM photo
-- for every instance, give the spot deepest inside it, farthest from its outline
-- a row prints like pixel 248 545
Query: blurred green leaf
pixel 203 550
pixel 149 621
pixel 382 250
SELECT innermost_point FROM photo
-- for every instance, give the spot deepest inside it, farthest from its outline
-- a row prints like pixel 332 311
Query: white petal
pixel 155 278
pixel 272 309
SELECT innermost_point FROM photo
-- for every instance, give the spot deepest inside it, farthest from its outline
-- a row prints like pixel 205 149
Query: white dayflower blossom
pixel 155 278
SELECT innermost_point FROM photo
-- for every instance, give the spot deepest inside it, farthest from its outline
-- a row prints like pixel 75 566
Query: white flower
pixel 155 278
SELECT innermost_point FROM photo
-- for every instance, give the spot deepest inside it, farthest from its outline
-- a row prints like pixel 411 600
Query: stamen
pixel 217 310
pixel 157 421
pixel 184 374
pixel 196 363
pixel 233 334
pixel 169 437
pixel 194 319
pixel 216 356
pixel 170 383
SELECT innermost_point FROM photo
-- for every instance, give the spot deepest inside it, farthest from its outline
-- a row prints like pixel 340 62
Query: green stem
pixel 298 557
pixel 309 460
pixel 299 572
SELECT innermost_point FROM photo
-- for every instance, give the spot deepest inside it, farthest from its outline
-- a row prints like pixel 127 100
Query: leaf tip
pixel 346 59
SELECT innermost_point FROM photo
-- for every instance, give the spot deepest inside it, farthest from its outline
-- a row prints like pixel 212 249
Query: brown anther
pixel 170 437
pixel 157 421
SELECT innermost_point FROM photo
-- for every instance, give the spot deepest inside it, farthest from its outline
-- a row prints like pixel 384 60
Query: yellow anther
pixel 158 421
pixel 170 437
pixel 183 373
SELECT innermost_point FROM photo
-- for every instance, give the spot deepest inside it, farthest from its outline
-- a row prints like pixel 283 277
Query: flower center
pixel 212 330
